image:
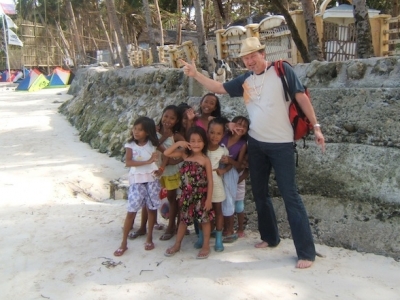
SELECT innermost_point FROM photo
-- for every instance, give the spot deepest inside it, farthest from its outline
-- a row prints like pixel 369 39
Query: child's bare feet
pixel 304 264
pixel 240 234
pixel 262 244
pixel 172 250
pixel 203 253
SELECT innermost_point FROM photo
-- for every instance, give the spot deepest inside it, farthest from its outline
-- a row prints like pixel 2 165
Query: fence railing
pixel 169 54
pixel 272 31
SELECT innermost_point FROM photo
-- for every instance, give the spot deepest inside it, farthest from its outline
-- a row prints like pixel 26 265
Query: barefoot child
pixel 196 186
pixel 144 188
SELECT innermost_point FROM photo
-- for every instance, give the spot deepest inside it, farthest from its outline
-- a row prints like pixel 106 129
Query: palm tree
pixel 78 42
pixel 364 46
pixel 159 23
pixel 201 38
pixel 149 24
pixel 314 48
pixel 179 23
pixel 117 27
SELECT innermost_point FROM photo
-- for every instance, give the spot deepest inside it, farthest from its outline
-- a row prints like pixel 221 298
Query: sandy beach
pixel 59 229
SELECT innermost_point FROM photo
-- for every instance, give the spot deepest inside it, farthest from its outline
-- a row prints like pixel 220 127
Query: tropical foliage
pixel 91 20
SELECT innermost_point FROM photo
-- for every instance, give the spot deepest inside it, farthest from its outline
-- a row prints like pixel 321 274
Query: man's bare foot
pixel 304 264
pixel 261 244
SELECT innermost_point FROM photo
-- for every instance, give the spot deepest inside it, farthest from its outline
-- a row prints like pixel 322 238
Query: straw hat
pixel 250 45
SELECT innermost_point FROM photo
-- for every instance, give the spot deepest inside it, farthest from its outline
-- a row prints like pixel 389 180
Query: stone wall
pixel 352 192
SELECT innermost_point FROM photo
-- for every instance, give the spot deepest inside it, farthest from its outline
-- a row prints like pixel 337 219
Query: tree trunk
pixel 301 47
pixel 364 45
pixel 201 37
pixel 122 45
pixel 395 8
pixel 152 40
pixel 314 48
pixel 206 17
pixel 217 14
pixel 159 23
pixel 79 46
pixel 179 23
pixel 109 43
pixel 227 12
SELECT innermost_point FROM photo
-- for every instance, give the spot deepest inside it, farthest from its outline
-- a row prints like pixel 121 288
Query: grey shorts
pixel 140 194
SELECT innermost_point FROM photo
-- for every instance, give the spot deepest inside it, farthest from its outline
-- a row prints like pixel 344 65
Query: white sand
pixel 56 241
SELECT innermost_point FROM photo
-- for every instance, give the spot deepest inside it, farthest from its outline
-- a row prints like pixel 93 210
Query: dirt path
pixel 58 230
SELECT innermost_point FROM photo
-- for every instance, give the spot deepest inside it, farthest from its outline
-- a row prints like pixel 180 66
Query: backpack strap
pixel 280 71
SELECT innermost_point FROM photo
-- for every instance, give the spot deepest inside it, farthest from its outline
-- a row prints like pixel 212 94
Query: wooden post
pixel 251 30
pixel 381 46
pixel 173 59
pixel 220 46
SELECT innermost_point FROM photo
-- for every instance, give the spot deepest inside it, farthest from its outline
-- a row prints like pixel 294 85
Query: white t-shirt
pixel 143 173
pixel 218 186
pixel 265 101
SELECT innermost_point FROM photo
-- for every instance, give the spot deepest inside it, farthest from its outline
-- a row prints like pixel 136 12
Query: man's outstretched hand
pixel 189 69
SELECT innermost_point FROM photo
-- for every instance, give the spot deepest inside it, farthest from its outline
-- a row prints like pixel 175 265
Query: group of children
pixel 198 156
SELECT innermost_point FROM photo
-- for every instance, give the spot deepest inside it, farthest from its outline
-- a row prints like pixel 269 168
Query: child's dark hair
pixel 177 111
pixel 202 133
pixel 217 110
pixel 242 118
pixel 149 126
pixel 220 120
pixel 183 106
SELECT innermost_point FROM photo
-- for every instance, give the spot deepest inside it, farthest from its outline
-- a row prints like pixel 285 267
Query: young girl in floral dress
pixel 196 186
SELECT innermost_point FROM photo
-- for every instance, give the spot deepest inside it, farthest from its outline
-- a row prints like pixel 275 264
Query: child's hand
pixel 190 114
pixel 154 157
pixel 184 144
pixel 235 128
pixel 224 159
pixel 207 205
pixel 220 172
pixel 158 172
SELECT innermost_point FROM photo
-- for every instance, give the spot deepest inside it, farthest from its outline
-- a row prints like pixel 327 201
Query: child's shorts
pixel 171 182
pixel 239 206
pixel 141 194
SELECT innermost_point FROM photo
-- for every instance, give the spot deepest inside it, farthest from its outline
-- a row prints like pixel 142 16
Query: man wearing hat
pixel 270 142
